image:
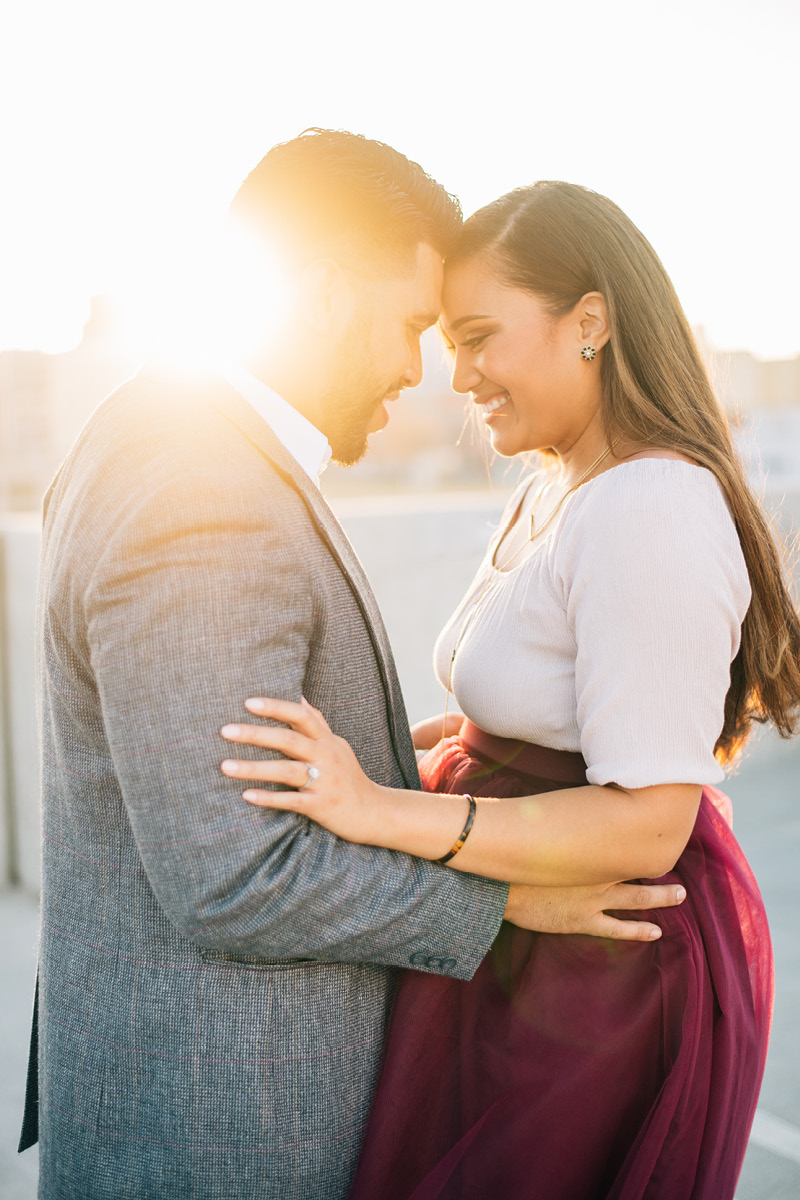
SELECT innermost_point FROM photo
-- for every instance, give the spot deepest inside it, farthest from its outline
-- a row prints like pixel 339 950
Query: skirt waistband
pixel 562 766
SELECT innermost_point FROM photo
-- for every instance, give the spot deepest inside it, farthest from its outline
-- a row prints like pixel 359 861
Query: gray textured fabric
pixel 214 978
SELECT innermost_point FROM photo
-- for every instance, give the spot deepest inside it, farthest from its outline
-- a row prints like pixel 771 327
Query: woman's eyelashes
pixel 471 343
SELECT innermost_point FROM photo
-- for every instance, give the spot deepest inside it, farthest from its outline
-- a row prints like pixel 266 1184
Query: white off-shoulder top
pixel 616 635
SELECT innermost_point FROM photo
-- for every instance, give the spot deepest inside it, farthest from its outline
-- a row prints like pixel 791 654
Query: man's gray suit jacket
pixel 214 978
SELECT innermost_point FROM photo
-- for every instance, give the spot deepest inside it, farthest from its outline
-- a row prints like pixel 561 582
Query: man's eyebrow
pixel 470 317
pixel 425 319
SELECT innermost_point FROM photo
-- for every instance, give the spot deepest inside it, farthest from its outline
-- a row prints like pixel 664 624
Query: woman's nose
pixel 466 377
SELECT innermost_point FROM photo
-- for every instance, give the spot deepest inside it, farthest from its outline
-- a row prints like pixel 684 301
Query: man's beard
pixel 348 425
pixel 354 398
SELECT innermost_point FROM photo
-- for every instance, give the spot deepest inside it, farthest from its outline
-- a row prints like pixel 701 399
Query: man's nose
pixel 413 374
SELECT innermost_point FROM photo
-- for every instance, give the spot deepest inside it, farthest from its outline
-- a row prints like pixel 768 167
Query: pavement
pixel 766 795
pixel 19 920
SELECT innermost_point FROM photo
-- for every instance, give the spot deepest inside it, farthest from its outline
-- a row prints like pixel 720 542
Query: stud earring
pixel 588 353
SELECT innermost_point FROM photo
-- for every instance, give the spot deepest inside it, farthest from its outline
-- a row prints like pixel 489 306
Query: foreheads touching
pixel 361 232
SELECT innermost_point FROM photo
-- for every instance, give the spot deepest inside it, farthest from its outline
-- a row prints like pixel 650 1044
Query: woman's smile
pixel 498 331
pixel 492 405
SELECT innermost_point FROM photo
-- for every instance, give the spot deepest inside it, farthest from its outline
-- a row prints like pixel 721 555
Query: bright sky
pixel 127 127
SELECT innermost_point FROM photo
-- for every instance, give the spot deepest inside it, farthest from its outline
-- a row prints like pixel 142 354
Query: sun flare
pixel 216 296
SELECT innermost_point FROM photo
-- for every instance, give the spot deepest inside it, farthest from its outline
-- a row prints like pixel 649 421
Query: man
pixel 215 980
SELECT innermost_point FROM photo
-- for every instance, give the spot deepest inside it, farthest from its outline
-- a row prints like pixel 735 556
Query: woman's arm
pixel 583 835
pixel 428 732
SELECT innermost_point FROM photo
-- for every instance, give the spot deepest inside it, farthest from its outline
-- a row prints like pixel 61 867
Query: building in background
pixel 45 399
pixel 431 443
pixel 26 428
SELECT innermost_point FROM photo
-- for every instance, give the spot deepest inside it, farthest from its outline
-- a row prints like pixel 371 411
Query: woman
pixel 627 626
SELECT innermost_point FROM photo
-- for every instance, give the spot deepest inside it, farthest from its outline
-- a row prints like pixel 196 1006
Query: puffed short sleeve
pixel 651 573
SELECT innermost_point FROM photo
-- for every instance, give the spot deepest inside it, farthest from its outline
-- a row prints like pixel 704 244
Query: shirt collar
pixel 307 444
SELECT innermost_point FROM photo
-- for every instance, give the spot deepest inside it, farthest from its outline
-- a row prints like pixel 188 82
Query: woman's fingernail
pixel 681 893
pixel 230 767
pixel 250 795
pixel 230 731
pixel 256 704
pixel 654 933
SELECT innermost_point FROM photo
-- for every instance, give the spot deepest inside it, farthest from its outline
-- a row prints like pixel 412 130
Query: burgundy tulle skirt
pixel 574 1068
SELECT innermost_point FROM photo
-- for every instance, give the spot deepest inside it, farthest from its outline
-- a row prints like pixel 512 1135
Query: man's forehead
pixel 428 279
pixel 424 319
pixel 417 290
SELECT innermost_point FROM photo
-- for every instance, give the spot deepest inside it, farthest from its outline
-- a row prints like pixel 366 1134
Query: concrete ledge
pixel 19 554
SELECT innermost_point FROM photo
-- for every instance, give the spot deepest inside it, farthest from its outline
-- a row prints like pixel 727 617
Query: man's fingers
pixel 641 897
pixel 624 931
pixel 644 896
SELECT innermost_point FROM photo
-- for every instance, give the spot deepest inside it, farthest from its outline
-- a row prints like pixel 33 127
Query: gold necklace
pixel 496 570
pixel 600 458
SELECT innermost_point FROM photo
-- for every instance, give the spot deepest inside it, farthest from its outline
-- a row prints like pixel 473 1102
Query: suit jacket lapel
pixel 250 424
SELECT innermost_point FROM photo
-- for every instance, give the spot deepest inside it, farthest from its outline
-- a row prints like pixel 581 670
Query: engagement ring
pixel 313 775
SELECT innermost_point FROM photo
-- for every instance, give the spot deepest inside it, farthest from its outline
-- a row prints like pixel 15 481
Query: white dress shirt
pixel 307 444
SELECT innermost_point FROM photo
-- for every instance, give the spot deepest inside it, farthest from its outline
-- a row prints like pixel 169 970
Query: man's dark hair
pixel 328 190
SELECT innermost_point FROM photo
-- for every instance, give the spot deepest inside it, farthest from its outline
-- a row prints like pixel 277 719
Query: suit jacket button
pixel 419 960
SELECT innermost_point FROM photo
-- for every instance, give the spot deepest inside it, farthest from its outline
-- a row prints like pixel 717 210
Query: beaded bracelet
pixel 462 837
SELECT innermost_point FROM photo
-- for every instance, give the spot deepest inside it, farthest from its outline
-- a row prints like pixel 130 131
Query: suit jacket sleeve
pixel 194 604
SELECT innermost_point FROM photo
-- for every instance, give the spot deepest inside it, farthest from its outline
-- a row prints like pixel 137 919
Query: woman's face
pixel 522 366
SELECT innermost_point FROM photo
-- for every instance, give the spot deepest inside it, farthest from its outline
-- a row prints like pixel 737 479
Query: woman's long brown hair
pixel 560 241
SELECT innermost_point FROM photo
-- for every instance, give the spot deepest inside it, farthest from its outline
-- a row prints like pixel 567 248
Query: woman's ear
pixel 593 329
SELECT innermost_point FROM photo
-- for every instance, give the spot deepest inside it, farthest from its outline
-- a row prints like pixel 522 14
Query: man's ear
pixel 326 295
pixel 592 327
